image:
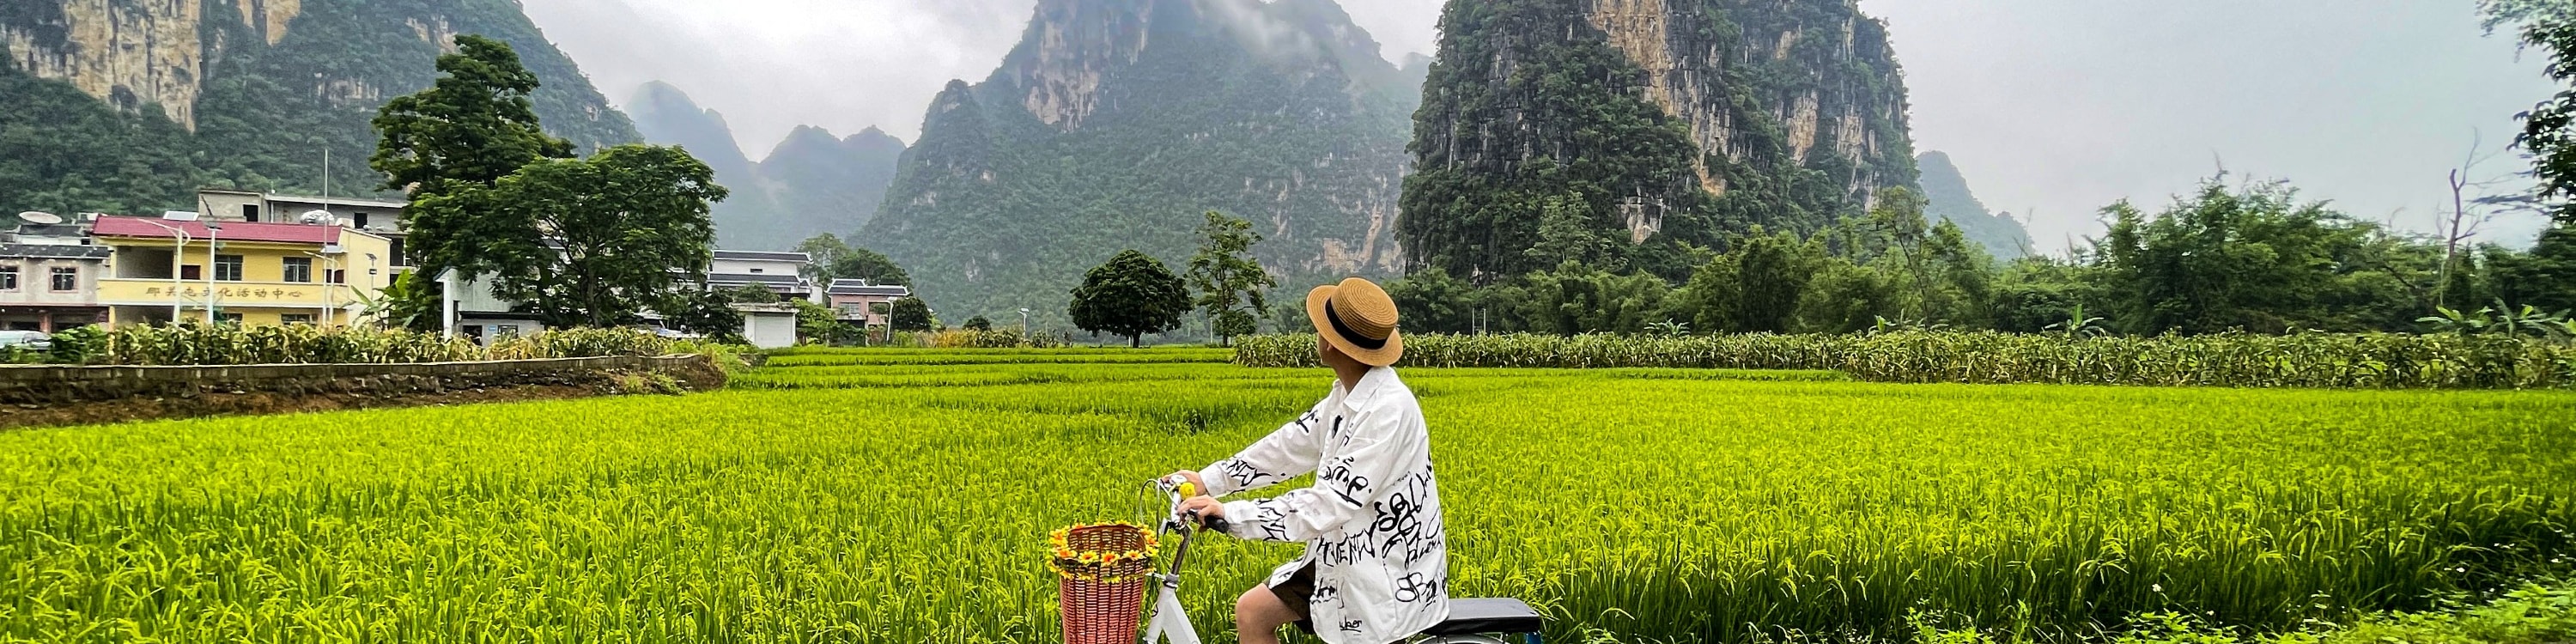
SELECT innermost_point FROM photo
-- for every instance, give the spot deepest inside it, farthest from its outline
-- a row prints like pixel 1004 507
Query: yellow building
pixel 252 273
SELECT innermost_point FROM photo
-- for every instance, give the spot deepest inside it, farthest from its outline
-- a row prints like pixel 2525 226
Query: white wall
pixel 769 330
pixel 746 266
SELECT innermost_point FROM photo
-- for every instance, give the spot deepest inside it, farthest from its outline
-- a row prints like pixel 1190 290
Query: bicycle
pixel 1484 620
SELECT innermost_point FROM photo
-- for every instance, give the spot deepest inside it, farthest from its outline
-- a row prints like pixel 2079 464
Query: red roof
pixel 231 230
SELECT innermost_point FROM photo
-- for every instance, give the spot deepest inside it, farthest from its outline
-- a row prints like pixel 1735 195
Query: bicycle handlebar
pixel 1180 490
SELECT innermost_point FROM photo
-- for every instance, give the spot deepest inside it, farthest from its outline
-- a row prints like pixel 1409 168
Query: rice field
pixel 889 496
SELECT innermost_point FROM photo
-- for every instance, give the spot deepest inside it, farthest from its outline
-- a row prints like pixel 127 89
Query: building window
pixel 229 318
pixel 228 268
pixel 400 259
pixel 362 220
pixel 299 269
pixel 66 279
pixel 250 212
pixel 337 275
pixel 295 318
pixel 192 272
pixel 9 277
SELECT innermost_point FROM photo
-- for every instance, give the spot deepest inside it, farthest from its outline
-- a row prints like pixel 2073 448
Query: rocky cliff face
pixel 1117 123
pixel 255 88
pixel 1782 113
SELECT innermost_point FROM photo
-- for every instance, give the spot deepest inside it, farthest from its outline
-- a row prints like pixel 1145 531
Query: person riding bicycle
pixel 1376 567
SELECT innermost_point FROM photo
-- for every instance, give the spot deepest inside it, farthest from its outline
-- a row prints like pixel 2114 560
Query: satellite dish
pixel 318 217
pixel 40 218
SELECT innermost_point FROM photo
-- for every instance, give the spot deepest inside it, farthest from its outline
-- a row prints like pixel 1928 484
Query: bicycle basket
pixel 1102 570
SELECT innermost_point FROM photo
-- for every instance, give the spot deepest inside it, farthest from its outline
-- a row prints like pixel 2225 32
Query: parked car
pixel 37 340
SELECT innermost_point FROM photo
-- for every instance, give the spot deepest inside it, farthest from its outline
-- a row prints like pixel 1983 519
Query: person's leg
pixel 1258 616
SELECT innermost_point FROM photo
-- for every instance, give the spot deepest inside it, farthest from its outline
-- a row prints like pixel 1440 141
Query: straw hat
pixel 1358 318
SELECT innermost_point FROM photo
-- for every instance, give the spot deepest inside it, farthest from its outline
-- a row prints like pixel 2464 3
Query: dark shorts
pixel 1298 593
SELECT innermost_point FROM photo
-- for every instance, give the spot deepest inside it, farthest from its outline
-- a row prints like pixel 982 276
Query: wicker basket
pixel 1102 572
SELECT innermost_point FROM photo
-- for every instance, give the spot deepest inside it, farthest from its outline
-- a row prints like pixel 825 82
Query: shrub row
pixel 2314 360
pixel 225 344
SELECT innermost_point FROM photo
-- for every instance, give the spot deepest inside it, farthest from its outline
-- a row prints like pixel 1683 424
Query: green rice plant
pixel 1631 505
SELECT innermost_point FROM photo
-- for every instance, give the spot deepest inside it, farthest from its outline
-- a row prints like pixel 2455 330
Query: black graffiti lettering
pixel 1324 594
pixel 1416 587
pixel 1351 626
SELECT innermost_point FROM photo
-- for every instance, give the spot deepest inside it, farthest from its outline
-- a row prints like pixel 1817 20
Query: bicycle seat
pixel 1490 615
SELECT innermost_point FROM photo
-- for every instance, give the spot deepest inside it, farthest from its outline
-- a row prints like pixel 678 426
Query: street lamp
pixel 213 230
pixel 1024 322
pixel 180 247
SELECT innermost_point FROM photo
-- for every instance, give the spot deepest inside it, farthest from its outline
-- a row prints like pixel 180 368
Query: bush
pixel 226 344
pixel 2319 360
pixel 992 339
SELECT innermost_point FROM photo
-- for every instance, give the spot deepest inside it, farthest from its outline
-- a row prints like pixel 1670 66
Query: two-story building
pixel 50 286
pixel 182 266
pixel 781 273
pixel 863 304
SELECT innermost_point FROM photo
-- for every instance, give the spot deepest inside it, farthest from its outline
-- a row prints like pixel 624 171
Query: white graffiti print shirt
pixel 1371 523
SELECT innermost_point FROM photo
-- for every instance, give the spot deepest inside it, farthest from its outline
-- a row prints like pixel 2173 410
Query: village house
pixel 182 266
pixel 863 304
pixel 48 285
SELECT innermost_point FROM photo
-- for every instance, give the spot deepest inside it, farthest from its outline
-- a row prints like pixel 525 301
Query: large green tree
pixel 2547 277
pixel 910 314
pixel 443 145
pixel 590 242
pixel 1131 295
pixel 1231 286
pixel 475 125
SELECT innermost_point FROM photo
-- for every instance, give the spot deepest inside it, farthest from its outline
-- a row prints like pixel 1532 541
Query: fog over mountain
pixel 2048 107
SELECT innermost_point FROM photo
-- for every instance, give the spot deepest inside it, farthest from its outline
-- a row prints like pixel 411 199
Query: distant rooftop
pixel 312 199
pixel 113 226
pixel 763 255
pixel 53 251
pixel 863 288
pixel 735 279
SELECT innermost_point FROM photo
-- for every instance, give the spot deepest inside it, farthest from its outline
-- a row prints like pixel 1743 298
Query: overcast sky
pixel 2053 107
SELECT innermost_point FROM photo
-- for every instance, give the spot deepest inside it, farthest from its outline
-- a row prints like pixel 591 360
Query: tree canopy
pixel 475 125
pixel 1131 295
pixel 1231 286
pixel 589 242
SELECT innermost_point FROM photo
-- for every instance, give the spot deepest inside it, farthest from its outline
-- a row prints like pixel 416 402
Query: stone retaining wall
pixel 49 385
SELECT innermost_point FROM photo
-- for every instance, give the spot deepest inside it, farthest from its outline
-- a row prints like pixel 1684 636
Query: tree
pixel 2548 277
pixel 752 294
pixel 864 264
pixel 706 313
pixel 1230 284
pixel 978 323
pixel 1433 302
pixel 910 314
pixel 823 252
pixel 474 126
pixel 1131 295
pixel 588 242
